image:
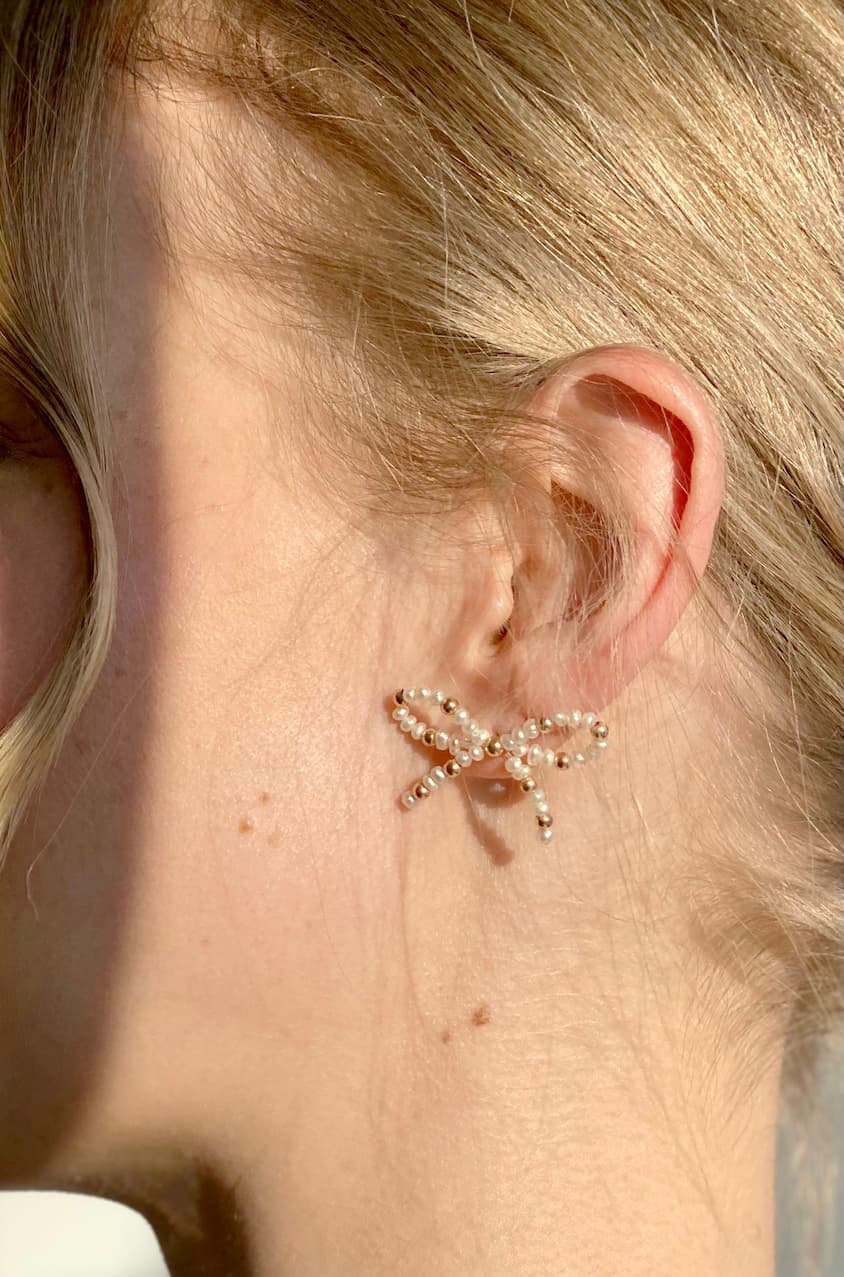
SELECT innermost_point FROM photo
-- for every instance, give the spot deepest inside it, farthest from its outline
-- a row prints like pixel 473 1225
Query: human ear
pixel 654 433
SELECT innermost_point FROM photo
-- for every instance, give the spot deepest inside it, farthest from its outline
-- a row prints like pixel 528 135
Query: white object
pixel 46 1234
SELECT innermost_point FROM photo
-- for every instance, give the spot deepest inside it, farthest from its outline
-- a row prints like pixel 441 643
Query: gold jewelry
pixel 469 743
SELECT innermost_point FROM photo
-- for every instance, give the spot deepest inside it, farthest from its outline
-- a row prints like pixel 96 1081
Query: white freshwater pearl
pixel 477 752
pixel 418 730
pixel 513 765
pixel 579 759
pixel 548 757
pixel 542 806
pixel 441 740
pixel 439 697
pixel 531 729
pixel 462 716
pixel 546 835
pixel 425 693
pixel 507 741
pixel 463 757
pixel 409 693
pixel 429 781
pixel 561 719
pixel 409 800
pixel 400 712
pixel 407 723
pixel 575 716
pixel 589 719
pixel 484 735
pixel 519 736
pixel 538 795
pixel 535 755
pixel 600 744
pixel 439 774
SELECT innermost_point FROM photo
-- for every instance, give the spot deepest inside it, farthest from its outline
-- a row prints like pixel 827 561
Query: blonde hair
pixel 480 188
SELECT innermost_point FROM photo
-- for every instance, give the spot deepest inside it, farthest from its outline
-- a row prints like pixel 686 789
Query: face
pixel 222 939
pixel 164 905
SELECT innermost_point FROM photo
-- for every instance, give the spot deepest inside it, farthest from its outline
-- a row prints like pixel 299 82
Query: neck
pixel 520 1151
pixel 438 1059
pixel 536 1082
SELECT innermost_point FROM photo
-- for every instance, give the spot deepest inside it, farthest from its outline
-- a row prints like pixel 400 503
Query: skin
pixel 242 987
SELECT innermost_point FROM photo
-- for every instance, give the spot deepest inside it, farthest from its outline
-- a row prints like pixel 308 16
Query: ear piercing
pixel 468 742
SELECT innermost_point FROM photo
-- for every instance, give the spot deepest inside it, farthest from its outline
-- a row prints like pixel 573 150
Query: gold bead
pixel 545 724
pixel 544 820
pixel 562 759
pixel 494 747
pixel 449 705
pixel 527 784
pixel 600 730
pixel 398 696
pixel 452 767
pixel 429 736
pixel 421 791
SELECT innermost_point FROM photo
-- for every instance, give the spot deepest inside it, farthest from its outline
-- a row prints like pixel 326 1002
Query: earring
pixel 469 743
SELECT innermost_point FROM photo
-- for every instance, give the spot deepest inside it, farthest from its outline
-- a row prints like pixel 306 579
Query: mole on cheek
pixel 445 1036
pixel 483 1015
pixel 246 824
pixel 263 797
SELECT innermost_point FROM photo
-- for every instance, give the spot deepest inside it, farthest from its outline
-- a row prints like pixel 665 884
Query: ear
pixel 43 554
pixel 653 429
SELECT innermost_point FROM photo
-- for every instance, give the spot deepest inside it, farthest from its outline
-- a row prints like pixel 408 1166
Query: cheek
pixel 42 574
pixel 195 863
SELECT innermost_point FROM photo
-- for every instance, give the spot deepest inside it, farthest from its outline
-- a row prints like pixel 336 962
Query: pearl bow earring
pixel 471 743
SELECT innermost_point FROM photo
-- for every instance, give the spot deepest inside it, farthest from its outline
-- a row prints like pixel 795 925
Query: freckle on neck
pixel 246 824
